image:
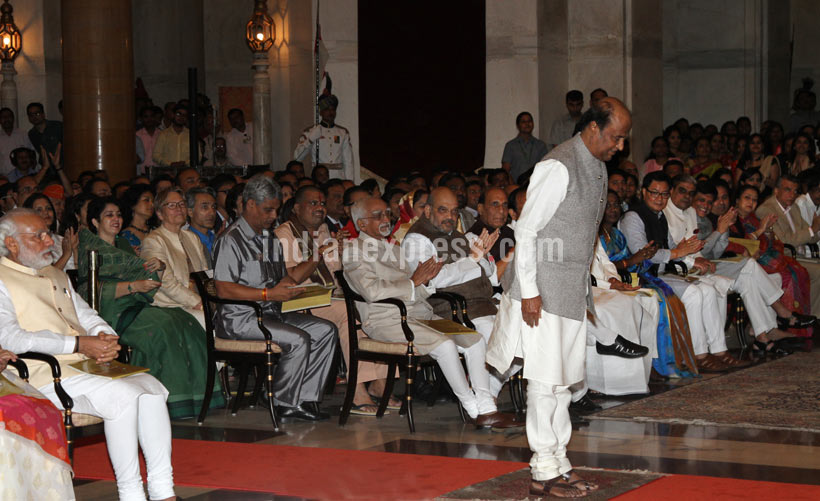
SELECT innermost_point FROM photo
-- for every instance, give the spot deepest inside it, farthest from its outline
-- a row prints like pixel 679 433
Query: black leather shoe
pixel 301 412
pixel 585 405
pixel 622 347
pixel 800 321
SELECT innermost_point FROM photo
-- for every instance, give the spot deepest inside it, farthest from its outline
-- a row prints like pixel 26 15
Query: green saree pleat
pixel 169 341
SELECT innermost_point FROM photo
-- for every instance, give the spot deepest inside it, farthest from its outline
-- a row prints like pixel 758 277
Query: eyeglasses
pixel 41 235
pixel 657 194
pixel 175 205
pixel 380 214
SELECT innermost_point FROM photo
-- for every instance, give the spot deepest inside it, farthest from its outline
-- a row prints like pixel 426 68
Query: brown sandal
pixel 557 487
pixel 585 485
pixel 733 362
pixel 711 364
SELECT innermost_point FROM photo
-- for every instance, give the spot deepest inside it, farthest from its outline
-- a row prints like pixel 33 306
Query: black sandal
pixel 800 321
pixel 543 488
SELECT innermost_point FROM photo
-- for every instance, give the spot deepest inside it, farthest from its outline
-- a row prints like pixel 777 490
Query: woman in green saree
pixel 168 341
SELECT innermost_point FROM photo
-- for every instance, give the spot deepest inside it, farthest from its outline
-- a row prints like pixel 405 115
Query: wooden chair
pixel 246 353
pixel 71 420
pixel 396 355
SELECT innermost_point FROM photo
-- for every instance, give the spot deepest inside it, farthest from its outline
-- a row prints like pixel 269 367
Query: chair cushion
pixel 368 344
pixel 80 420
pixel 244 346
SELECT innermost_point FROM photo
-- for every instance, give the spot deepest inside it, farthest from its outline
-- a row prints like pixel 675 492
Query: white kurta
pixel 554 350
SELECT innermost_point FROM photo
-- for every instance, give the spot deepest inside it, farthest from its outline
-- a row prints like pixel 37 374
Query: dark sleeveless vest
pixel 477 292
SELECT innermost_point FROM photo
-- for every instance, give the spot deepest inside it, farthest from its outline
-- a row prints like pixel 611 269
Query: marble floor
pixel 744 453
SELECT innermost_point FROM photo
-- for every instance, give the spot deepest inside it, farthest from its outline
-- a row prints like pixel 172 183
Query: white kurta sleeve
pixel 548 188
pixel 602 268
pixel 418 248
pixel 15 338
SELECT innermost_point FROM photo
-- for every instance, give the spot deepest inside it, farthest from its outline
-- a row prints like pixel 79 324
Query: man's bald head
pixel 604 127
pixel 442 209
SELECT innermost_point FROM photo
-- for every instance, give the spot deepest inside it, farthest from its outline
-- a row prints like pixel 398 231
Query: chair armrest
pixel 65 400
pixel 678 268
pixel 398 303
pixel 791 249
pixel 200 278
pixel 626 277
pixel 454 307
pixel 593 281
pixel 497 289
pixel 22 368
pixel 462 304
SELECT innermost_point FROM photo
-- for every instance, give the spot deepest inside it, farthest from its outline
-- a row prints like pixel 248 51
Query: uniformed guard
pixel 328 142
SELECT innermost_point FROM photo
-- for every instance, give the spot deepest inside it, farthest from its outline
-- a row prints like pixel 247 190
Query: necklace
pixel 145 230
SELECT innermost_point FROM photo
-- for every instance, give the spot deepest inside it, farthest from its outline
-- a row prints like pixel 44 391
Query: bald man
pixel 466 270
pixel 543 311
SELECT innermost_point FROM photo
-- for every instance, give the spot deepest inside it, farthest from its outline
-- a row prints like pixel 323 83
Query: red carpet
pixel 307 471
pixel 690 487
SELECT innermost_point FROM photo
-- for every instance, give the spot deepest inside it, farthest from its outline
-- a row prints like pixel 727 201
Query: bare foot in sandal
pixel 579 483
pixel 557 487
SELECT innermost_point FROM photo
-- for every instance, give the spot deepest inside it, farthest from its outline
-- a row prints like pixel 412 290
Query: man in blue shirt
pixel 201 203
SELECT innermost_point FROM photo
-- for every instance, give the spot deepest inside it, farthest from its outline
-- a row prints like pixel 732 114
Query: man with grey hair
pixel 376 269
pixel 41 312
pixel 249 265
pixel 201 204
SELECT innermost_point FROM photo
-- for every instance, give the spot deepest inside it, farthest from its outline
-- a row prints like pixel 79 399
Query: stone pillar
pixel 261 110
pixel 98 79
pixel 615 45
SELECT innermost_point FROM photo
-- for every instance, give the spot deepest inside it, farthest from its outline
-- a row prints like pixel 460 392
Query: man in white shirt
pixel 35 318
pixel 239 141
pixel 759 292
pixel 11 138
pixel 467 273
pixel 809 202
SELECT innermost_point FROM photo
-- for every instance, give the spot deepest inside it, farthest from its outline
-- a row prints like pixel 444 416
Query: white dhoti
pixel 554 354
pixel 758 291
pixel 633 317
pixel 484 326
pixel 135 415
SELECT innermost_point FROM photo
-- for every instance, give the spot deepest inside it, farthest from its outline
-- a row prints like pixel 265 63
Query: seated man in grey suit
pixel 376 269
pixel 249 265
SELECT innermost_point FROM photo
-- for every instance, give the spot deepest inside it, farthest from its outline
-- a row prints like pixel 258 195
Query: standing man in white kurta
pixel 542 315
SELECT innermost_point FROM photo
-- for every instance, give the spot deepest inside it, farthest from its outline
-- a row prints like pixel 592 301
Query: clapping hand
pixel 5 357
pixel 482 245
pixel 153 265
pixel 426 271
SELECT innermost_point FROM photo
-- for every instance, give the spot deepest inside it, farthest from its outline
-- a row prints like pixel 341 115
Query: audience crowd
pixel 712 211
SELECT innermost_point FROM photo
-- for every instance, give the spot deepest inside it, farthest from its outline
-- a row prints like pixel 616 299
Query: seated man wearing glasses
pixel 40 311
pixel 466 270
pixel 249 265
pixel 376 269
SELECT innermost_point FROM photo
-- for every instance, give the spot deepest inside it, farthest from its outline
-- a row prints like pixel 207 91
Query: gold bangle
pixel 265 294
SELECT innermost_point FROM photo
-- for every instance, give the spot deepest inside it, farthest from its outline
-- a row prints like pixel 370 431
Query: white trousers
pixel 134 415
pixel 479 399
pixel 548 429
pixel 759 292
pixel 706 310
pixel 484 326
